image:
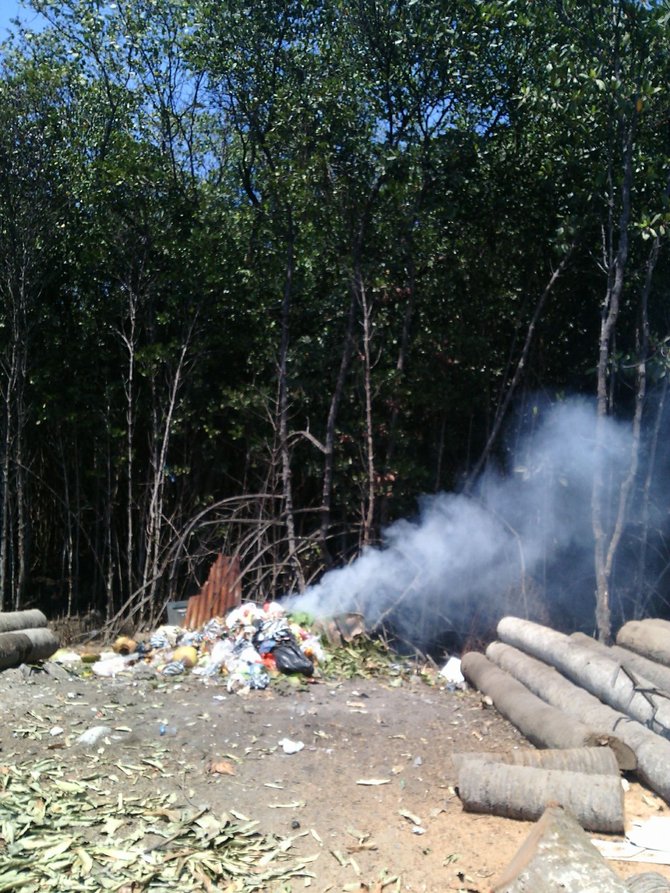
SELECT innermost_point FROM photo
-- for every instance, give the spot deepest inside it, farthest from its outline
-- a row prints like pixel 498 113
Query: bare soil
pixel 223 751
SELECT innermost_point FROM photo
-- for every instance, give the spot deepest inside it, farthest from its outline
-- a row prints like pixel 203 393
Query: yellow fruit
pixel 187 654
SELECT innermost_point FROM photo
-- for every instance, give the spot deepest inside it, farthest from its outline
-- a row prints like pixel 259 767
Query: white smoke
pixel 466 559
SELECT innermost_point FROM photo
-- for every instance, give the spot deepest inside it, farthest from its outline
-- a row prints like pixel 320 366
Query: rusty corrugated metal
pixel 221 593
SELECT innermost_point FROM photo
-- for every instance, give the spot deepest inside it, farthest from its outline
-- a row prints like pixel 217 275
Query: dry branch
pixel 651 752
pixel 542 724
pixel 588 760
pixel 14 621
pixel 26 646
pixel 558 855
pixel 602 676
pixel 650 638
pixel 524 792
pixel 635 664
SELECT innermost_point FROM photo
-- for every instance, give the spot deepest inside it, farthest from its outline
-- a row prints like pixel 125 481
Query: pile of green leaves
pixel 367 658
pixel 61 834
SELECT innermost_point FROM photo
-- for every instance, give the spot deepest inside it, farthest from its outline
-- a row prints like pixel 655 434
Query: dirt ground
pixel 370 798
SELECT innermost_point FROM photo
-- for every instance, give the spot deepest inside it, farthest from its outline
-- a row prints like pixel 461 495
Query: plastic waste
pixel 166 731
pixel 63 656
pixel 112 666
pixel 247 677
pixel 174 668
pixel 451 671
pixel 290 659
pixel 221 653
pixel 92 736
pixel 289 746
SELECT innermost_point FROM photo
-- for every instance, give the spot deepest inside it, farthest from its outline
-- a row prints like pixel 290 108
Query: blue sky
pixel 10 9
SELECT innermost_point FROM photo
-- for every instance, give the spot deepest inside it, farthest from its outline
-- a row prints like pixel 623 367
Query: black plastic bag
pixel 290 659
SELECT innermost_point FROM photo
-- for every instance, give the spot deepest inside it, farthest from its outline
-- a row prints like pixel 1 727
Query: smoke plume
pixel 521 542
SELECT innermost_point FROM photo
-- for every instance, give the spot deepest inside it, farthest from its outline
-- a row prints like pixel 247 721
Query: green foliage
pixel 161 159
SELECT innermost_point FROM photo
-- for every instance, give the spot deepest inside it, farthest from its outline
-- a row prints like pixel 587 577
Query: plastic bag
pixel 290 659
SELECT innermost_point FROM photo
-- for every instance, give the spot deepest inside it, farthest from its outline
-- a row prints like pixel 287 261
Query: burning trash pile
pixel 249 646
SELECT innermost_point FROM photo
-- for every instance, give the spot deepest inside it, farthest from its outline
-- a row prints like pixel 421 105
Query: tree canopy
pixel 270 271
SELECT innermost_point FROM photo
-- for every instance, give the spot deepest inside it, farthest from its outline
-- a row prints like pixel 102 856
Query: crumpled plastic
pixel 240 646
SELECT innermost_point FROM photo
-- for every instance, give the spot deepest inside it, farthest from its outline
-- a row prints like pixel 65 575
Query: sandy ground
pixel 370 797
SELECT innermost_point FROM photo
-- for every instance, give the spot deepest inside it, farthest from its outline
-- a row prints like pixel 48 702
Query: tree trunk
pixel 329 440
pixel 523 792
pixel 606 543
pixel 602 676
pixel 504 402
pixel 13 621
pixel 651 752
pixel 650 638
pixel 154 533
pixel 368 509
pixel 283 410
pixel 130 341
pixel 634 664
pixel 542 724
pixel 401 363
pixel 648 882
pixel 587 760
pixel 26 646
pixel 558 855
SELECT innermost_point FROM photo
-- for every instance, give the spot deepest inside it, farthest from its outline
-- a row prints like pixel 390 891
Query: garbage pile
pixel 249 646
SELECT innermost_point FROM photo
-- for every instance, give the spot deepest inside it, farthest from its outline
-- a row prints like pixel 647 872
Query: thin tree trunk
pixel 606 545
pixel 283 409
pixel 329 440
pixel 368 512
pixel 401 363
pixel 653 445
pixel 4 513
pixel 503 405
pixel 155 520
pixel 129 340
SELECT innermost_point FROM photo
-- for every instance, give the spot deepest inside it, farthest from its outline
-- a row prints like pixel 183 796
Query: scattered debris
pixel 646 841
pixel 451 672
pixel 373 782
pixel 291 747
pixel 126 843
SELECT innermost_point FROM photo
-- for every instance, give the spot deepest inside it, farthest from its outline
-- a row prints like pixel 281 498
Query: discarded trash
pixel 451 672
pixel 373 781
pixel 174 668
pixel 289 746
pixel 290 659
pixel 92 736
pixel 63 656
pixel 646 841
pixel 111 666
pixel 652 833
pixel 164 730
